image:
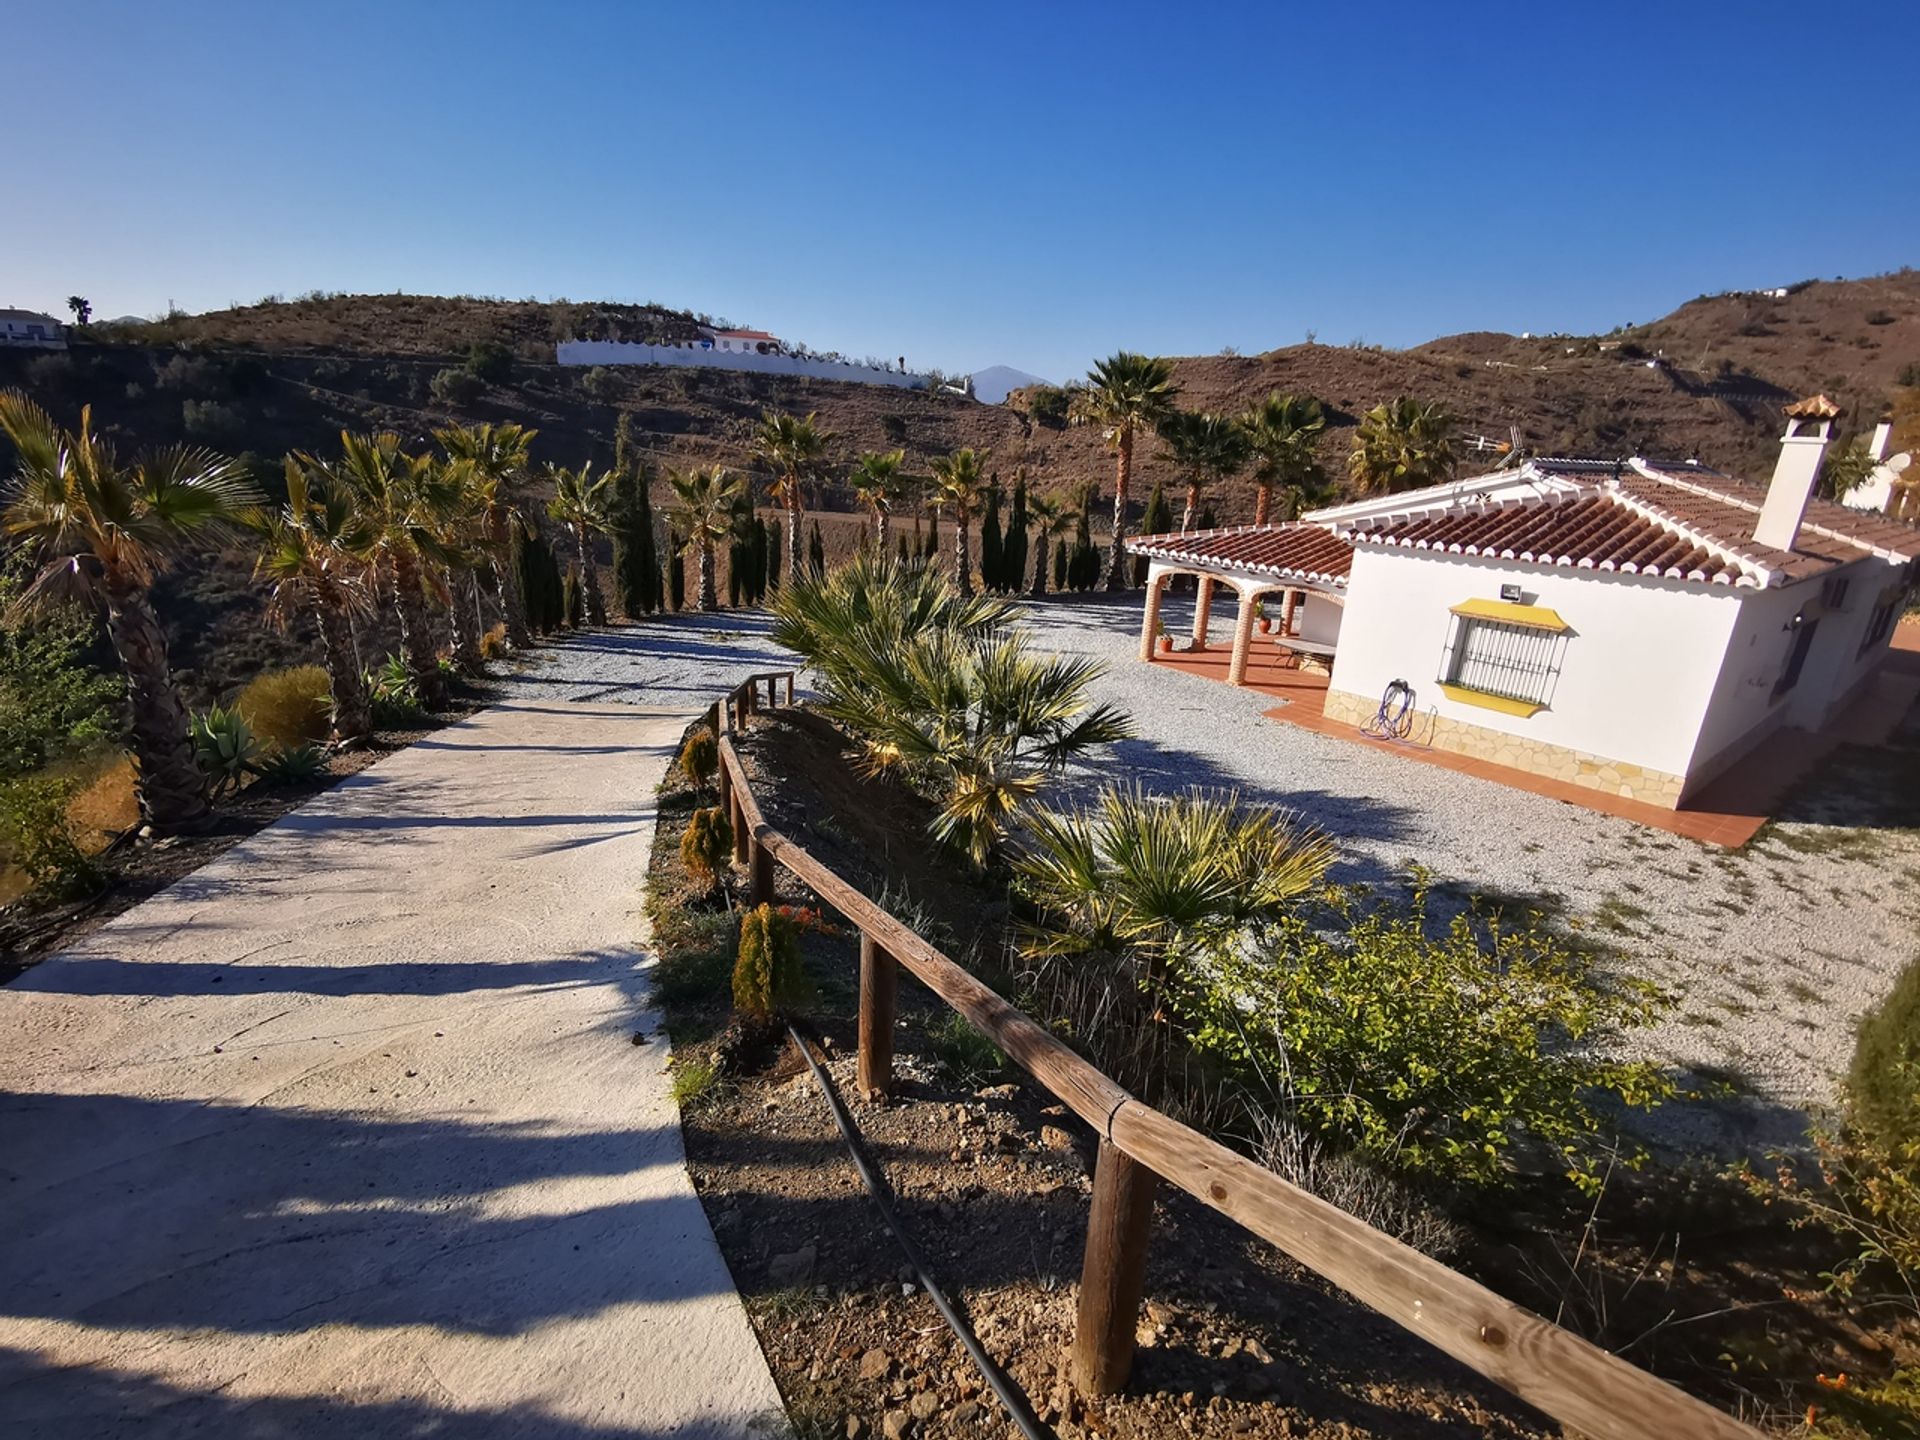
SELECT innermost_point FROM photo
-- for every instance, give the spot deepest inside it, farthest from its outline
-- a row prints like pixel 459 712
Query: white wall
pixel 1636 670
pixel 1316 618
pixel 622 352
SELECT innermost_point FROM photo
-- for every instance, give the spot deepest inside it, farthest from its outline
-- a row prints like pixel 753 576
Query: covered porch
pixel 1287 584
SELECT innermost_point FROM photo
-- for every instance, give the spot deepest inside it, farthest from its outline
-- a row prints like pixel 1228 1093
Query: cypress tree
pixel 919 541
pixel 676 576
pixel 992 547
pixel 1059 565
pixel 1206 521
pixel 1014 546
pixel 736 571
pixel 902 539
pixel 573 603
pixel 629 558
pixel 647 541
pixel 774 552
pixel 933 538
pixel 1157 521
pixel 816 552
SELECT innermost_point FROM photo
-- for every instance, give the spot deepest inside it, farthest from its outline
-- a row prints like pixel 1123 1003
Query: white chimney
pixel 1882 433
pixel 1802 448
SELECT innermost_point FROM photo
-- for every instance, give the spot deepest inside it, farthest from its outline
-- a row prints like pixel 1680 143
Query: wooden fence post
pixel 879 982
pixel 713 719
pixel 760 881
pixel 1114 1272
pixel 789 687
pixel 737 821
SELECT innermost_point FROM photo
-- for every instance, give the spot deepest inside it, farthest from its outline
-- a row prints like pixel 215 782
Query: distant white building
pixel 744 342
pixel 30 330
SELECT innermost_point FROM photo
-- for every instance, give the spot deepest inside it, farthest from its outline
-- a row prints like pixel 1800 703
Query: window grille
pixel 1513 662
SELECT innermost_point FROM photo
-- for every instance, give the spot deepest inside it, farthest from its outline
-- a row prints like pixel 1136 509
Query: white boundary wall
pixel 623 352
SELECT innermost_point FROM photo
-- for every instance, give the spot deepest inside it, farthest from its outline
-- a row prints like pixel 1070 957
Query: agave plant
pixel 224 747
pixel 295 765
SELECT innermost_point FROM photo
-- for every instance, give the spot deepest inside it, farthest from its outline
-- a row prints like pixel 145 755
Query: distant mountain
pixel 991 385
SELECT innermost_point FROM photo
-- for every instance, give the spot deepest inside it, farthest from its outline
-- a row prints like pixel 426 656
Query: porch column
pixel 1286 612
pixel 1242 639
pixel 1202 611
pixel 1150 623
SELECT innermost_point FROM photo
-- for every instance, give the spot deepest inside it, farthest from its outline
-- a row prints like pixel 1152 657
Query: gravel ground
pixel 674 662
pixel 1772 952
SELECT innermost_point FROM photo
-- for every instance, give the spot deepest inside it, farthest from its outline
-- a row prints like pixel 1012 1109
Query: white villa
pixel 1629 626
pixel 29 329
pixel 743 342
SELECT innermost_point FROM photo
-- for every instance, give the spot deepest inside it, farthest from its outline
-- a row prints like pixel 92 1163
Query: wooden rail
pixel 1558 1373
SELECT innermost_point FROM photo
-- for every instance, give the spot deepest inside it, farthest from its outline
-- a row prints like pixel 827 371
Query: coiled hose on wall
pixel 1010 1396
pixel 1394 719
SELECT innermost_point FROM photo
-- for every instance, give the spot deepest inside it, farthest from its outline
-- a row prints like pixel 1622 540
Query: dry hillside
pixel 280 375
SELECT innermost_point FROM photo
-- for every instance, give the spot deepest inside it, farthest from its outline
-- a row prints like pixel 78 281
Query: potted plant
pixel 1166 640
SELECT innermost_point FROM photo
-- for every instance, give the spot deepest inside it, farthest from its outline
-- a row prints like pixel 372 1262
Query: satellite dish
pixel 1900 462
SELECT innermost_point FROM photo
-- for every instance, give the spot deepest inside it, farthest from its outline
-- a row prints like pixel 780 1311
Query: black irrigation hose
pixel 1011 1397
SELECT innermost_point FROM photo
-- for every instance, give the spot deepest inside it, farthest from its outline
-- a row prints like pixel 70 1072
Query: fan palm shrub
pixel 960 489
pixel 1124 394
pixel 1402 445
pixel 794 449
pixel 1157 888
pixel 580 503
pixel 495 459
pixel 1206 447
pixel 101 531
pixel 1050 518
pixel 879 484
pixel 1281 432
pixel 942 690
pixel 705 517
pixel 316 552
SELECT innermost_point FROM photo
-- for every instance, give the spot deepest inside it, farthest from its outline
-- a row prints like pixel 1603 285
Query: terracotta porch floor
pixel 1729 811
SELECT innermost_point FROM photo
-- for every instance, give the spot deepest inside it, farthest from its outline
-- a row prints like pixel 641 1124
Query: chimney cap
pixel 1814 407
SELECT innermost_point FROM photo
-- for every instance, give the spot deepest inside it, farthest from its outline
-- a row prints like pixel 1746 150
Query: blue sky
pixel 1032 185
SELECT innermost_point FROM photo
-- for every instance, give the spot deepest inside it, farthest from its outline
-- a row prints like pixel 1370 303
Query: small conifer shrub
pixel 705 845
pixel 767 979
pixel 700 758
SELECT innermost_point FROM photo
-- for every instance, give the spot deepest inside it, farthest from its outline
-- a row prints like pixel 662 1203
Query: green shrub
pixel 767 978
pixel 38 834
pixel 289 707
pixel 970 1057
pixel 294 765
pixel 705 846
pixel 53 700
pixel 1049 404
pixel 693 1081
pixel 225 747
pixel 599 384
pixel 1449 1052
pixel 210 420
pixel 700 757
pixel 1883 1083
pixel 490 361
pixel 456 387
pixel 391 694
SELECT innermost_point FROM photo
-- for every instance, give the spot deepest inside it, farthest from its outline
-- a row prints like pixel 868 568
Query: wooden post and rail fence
pixel 1560 1374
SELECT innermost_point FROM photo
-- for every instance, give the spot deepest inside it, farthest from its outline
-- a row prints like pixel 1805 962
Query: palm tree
pixel 879 485
pixel 409 505
pixel 1124 394
pixel 1051 518
pixel 960 486
pixel 1207 447
pixel 1402 445
pixel 793 448
pixel 1281 431
pixel 707 495
pixel 315 552
pixel 496 456
pixel 102 531
pixel 580 503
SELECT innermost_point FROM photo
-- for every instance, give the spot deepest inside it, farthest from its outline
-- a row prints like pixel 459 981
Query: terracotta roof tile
pixel 1292 552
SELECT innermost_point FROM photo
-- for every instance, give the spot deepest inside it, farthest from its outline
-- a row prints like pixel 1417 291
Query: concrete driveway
pixel 363 1130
